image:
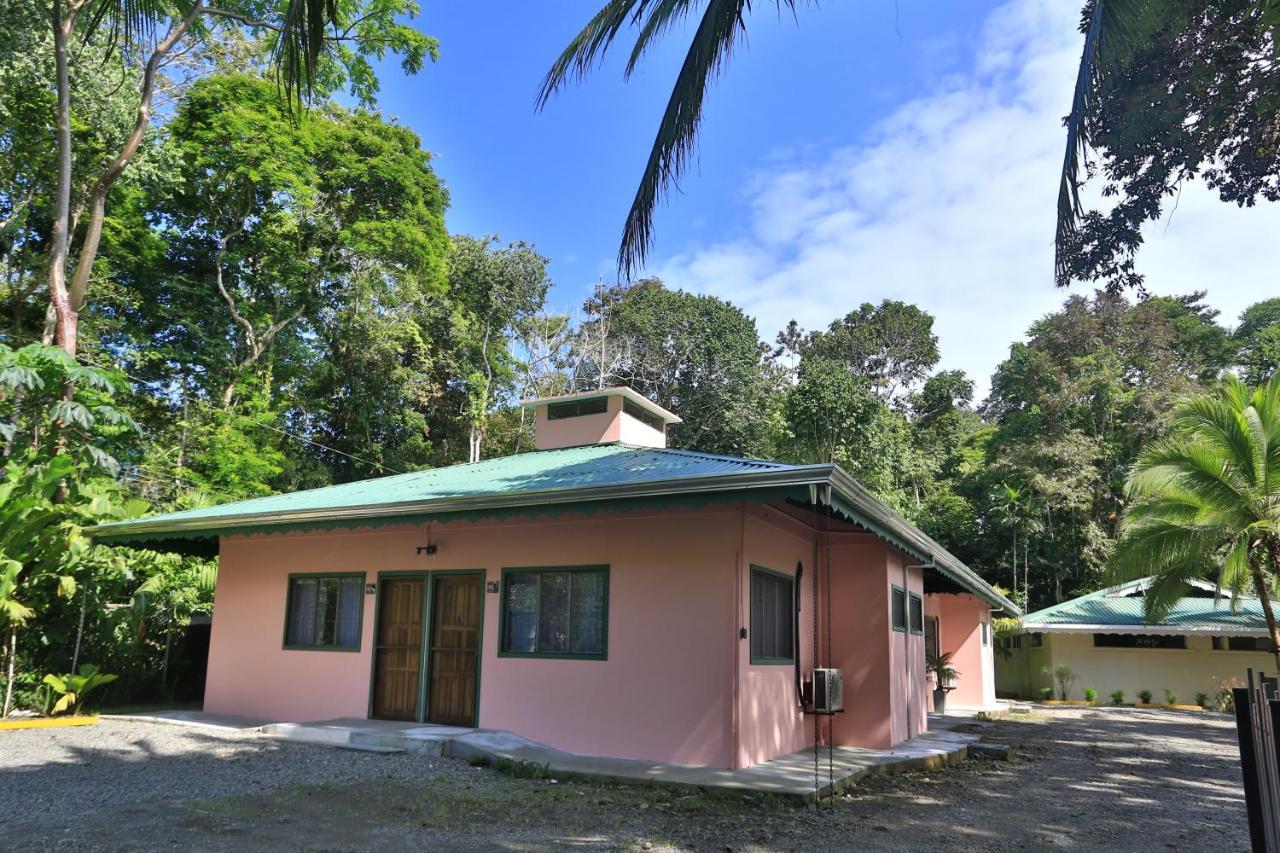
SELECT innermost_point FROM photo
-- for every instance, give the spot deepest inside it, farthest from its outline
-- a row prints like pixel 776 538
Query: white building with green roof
pixel 1106 641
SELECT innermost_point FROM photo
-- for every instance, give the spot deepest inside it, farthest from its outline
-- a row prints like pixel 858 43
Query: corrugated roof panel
pixel 565 468
pixel 1121 607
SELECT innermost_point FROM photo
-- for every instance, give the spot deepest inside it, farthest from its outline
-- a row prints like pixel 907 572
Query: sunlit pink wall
pixel 909 708
pixel 769 720
pixel 664 692
pixel 678 684
pixel 960 618
pixel 584 429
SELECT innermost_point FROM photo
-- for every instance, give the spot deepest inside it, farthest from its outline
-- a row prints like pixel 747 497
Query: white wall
pixel 1184 671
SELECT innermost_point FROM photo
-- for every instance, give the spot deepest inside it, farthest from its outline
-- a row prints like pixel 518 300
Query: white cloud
pixel 949 203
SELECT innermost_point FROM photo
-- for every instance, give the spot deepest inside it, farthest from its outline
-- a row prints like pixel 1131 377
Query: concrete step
pixel 380 750
pixel 421 740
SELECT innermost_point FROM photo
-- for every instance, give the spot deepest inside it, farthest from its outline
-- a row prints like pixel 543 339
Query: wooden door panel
pixel 399 649
pixel 455 649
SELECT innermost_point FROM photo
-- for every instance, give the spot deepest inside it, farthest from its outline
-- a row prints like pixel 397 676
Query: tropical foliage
pixel 1206 498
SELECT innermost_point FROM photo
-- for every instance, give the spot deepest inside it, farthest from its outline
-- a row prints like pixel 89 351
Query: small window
pixel 917 614
pixel 931 637
pixel 641 414
pixel 324 612
pixel 556 612
pixel 1242 644
pixel 577 408
pixel 898 608
pixel 1035 640
pixel 773 613
pixel 1139 641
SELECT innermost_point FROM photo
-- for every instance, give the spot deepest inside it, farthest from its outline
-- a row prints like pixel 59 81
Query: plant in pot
pixel 944 679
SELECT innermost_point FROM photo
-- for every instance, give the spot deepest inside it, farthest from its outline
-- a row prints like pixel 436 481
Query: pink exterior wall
pixel 769 719
pixel 861 641
pixel 960 619
pixel 664 692
pixel 574 432
pixel 678 684
pixel 909 710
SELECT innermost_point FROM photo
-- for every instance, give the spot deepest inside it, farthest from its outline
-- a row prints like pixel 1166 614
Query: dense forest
pixel 268 298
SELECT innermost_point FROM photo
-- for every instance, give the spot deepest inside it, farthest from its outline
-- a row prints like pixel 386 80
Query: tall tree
pixel 697 355
pixel 1206 497
pixel 1167 91
pixel 891 345
pixel 145 39
pixel 1258 341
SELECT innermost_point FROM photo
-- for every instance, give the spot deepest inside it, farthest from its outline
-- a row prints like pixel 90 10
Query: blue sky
pixel 861 150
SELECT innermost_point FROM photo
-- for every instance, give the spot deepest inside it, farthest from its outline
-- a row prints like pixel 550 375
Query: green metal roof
pixel 1118 610
pixel 574 479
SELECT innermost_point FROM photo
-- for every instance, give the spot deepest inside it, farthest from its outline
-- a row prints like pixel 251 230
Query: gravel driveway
pixel 1113 779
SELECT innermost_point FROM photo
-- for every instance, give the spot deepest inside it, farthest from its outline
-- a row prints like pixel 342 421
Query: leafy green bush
pixel 1202 699
pixel 73 688
pixel 1117 697
pixel 1046 693
pixel 1144 696
pixel 1090 693
pixel 1170 698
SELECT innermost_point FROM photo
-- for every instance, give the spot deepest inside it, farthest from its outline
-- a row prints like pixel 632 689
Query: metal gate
pixel 1257 724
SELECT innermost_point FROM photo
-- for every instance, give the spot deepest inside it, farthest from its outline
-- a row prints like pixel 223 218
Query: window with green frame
pixel 916 614
pixel 324 612
pixel 898 607
pixel 558 611
pixel 577 408
pixel 773 614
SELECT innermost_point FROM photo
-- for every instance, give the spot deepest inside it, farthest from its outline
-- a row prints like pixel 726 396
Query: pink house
pixel 603 594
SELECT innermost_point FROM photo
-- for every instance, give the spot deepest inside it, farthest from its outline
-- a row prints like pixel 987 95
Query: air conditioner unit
pixel 828 691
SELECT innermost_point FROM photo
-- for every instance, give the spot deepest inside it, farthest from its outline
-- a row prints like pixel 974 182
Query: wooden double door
pixel 427 659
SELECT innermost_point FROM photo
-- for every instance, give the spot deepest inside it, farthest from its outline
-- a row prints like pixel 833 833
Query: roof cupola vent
pixel 599 417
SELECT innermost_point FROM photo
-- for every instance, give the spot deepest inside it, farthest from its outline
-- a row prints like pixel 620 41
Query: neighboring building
pixel 604 594
pixel 1105 640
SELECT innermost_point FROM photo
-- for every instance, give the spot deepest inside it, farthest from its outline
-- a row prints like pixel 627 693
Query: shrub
pixel 73 688
pixel 1063 678
pixel 1202 699
pixel 1117 697
pixel 1090 693
pixel 1046 693
pixel 1170 698
pixel 1223 698
pixel 1144 696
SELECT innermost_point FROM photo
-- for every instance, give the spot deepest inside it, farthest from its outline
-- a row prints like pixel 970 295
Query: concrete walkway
pixel 790 776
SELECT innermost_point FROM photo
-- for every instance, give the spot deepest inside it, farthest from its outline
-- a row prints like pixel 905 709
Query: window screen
pixel 899 608
pixel 324 612
pixel 551 612
pixel 1139 641
pixel 773 613
pixel 577 408
pixel 916 614
pixel 1242 644
pixel 641 414
pixel 931 636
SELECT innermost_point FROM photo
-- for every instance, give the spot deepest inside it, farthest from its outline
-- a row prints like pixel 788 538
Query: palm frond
pixel 658 22
pixel 1164 592
pixel 589 45
pixel 128 22
pixel 300 42
pixel 1111 29
pixel 712 44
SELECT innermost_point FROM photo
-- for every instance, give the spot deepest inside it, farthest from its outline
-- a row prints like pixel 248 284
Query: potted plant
pixel 944 679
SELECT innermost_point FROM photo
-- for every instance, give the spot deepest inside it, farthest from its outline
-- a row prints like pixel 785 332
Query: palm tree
pixel 718 31
pixel 1208 495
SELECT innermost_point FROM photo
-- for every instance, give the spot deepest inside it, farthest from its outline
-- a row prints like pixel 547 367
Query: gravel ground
pixel 1081 779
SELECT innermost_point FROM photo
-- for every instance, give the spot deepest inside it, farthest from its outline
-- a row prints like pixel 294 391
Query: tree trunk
pixel 59 230
pixel 1264 594
pixel 13 663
